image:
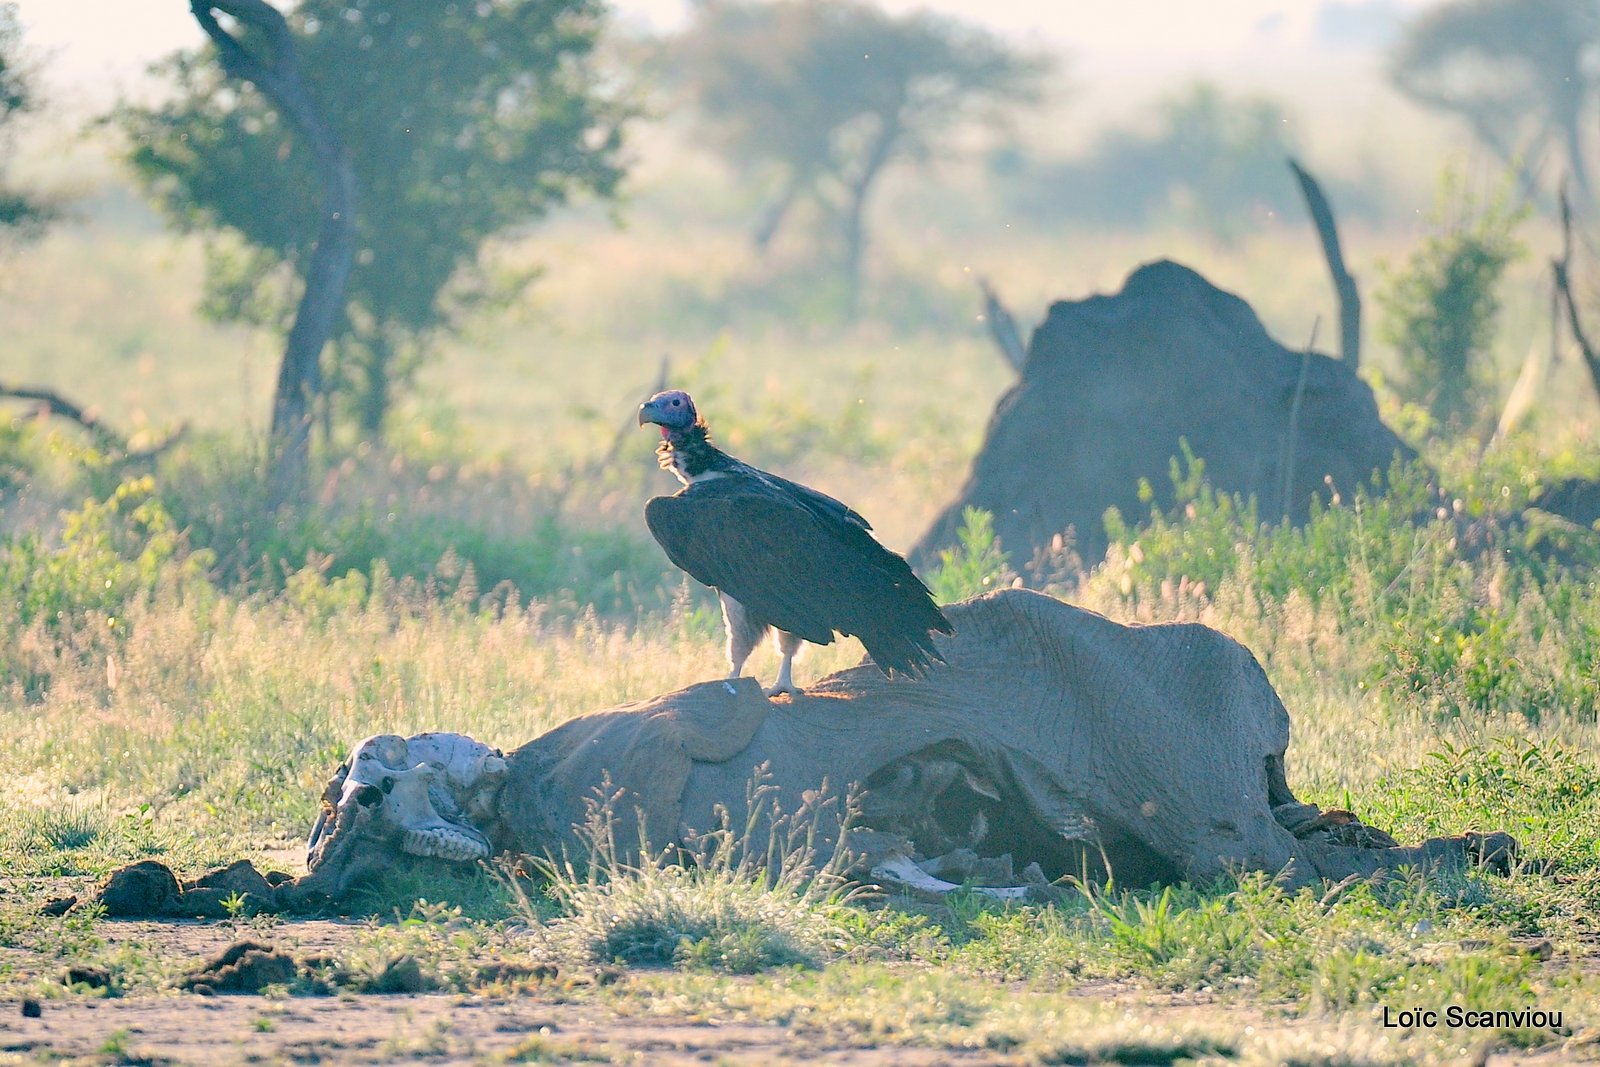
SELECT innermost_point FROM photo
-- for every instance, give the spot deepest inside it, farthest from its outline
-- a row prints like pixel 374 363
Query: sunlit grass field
pixel 178 677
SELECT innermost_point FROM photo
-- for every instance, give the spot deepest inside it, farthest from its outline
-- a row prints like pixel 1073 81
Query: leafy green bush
pixel 1439 310
pixel 977 565
pixel 1213 536
pixel 1439 609
pixel 110 552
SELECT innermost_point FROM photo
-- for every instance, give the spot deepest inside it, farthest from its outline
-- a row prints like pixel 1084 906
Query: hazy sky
pixel 93 48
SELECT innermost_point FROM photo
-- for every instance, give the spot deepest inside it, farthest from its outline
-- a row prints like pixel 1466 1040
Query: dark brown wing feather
pixel 799 568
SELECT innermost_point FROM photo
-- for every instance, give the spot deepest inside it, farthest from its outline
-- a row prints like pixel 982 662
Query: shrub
pixel 110 551
pixel 1439 310
pixel 1438 609
pixel 454 530
pixel 976 566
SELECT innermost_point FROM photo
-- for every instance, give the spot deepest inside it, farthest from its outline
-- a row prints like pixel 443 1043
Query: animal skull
pixel 423 793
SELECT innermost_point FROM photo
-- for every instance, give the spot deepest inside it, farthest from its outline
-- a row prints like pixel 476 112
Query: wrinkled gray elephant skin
pixel 1052 740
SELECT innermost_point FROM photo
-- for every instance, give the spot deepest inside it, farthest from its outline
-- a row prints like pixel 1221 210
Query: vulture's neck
pixel 691 456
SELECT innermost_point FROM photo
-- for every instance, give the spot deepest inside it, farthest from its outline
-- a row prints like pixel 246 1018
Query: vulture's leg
pixel 744 634
pixel 788 645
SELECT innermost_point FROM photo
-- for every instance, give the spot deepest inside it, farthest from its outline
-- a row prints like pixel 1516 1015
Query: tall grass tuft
pixel 737 899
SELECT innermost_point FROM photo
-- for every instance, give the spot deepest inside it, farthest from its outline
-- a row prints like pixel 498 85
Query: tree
pixel 18 213
pixel 459 120
pixel 1520 72
pixel 826 94
pixel 1203 158
pixel 274 70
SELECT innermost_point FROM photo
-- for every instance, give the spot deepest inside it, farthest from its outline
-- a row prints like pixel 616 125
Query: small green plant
pixel 116 1046
pixel 1384 577
pixel 234 904
pixel 976 566
pixel 542 1048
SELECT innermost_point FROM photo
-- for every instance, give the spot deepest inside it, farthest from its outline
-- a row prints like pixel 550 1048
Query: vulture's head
pixel 672 410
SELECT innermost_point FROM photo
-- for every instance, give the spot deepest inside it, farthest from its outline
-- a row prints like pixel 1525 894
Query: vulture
pixel 783 556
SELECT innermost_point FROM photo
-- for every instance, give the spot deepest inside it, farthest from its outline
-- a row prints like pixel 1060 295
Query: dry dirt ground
pixel 546 1025
pixel 432 1028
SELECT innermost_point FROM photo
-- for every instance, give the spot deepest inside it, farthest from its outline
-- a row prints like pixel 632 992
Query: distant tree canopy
pixel 1522 73
pixel 1208 159
pixel 825 94
pixel 18 213
pixel 460 120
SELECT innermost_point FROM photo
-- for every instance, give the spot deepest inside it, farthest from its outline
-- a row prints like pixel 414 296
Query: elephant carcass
pixel 1052 740
pixel 421 796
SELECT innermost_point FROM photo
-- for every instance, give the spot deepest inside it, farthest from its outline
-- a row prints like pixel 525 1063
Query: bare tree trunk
pixel 277 76
pixel 1343 283
pixel 855 237
pixel 776 212
pixel 1002 326
pixel 1573 135
pixel 375 390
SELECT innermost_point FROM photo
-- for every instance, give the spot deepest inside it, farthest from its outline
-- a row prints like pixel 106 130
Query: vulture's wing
pixel 798 568
pixel 820 504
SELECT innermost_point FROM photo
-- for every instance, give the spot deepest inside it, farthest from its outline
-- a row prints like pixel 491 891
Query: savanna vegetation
pixel 182 665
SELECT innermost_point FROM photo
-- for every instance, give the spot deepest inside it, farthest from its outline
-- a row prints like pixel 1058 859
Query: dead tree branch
pixel 1561 275
pixel 275 72
pixel 53 403
pixel 1343 283
pixel 1291 436
pixel 629 430
pixel 1002 327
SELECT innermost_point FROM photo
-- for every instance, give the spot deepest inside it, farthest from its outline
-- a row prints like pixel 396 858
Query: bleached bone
pixel 425 790
pixel 902 873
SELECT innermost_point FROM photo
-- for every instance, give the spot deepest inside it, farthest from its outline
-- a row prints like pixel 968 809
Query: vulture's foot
pixel 783 688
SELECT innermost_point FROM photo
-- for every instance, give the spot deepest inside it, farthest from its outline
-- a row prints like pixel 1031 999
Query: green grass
pixel 217 704
pixel 178 677
pixel 229 703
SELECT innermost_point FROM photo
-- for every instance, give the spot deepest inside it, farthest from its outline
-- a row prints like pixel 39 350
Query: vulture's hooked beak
pixel 647 412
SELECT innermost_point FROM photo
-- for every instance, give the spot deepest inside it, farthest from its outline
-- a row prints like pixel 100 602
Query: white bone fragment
pixel 901 871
